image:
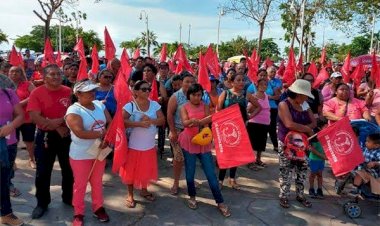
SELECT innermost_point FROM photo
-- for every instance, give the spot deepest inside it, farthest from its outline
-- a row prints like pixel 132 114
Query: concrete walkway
pixel 255 204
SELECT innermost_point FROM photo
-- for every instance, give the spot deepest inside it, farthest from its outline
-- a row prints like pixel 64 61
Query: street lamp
pixel 221 13
pixel 147 29
pixel 302 25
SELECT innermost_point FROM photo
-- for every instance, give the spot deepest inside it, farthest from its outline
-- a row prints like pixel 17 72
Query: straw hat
pixel 301 86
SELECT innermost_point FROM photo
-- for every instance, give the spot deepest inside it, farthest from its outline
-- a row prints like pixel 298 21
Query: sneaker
pixel 101 215
pixel 11 219
pixel 320 193
pixel 38 212
pixel 78 220
pixel 312 193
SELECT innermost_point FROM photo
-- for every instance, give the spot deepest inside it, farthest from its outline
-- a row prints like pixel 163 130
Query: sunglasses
pixel 146 89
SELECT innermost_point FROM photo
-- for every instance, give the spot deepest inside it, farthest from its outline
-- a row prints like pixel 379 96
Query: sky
pixel 164 16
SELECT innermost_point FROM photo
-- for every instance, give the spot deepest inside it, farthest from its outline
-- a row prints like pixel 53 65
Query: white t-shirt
pixel 78 146
pixel 140 138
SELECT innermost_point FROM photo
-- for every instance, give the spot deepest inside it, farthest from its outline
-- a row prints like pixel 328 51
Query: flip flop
pixel 148 196
pixel 174 190
pixel 130 204
pixel 234 185
pixel 224 210
pixel 192 204
pixel 284 202
pixel 304 201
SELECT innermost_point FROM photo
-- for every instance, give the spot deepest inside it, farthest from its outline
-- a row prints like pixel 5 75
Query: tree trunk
pixel 260 37
pixel 294 33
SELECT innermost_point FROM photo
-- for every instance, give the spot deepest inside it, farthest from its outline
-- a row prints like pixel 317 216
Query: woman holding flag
pixel 142 116
pixel 87 121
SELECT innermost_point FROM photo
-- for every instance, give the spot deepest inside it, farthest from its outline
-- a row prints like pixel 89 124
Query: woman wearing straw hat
pixel 293 117
pixel 87 121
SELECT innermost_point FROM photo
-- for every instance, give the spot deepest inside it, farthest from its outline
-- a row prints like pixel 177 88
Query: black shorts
pixel 27 130
pixel 258 135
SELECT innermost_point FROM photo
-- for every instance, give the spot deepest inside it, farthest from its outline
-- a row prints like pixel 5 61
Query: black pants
pixel 222 173
pixel 45 158
pixel 273 127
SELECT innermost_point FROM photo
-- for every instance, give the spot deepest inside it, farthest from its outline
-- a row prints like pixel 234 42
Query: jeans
pixel 222 173
pixel 5 178
pixel 209 170
pixel 45 158
pixel 12 152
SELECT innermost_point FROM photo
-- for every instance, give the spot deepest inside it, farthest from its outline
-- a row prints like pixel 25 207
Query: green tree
pixel 131 45
pixel 35 40
pixel 360 45
pixel 147 38
pixel 3 37
pixel 251 10
pixel 270 49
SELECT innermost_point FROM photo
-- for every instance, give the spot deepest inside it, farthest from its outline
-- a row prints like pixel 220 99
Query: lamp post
pixel 221 13
pixel 302 26
pixel 188 40
pixel 147 29
pixel 180 33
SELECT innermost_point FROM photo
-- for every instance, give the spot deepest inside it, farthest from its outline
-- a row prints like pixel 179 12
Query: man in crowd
pixel 53 137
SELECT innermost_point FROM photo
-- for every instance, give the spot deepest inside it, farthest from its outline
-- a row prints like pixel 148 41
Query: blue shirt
pixel 110 102
pixel 252 89
pixel 273 84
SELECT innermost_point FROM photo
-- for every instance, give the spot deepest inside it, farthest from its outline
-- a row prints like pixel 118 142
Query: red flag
pixel 82 71
pixel 109 47
pixel 21 59
pixel 375 72
pixel 179 68
pixel 153 95
pixel 116 132
pixel 212 62
pixel 125 66
pixel 58 60
pixel 358 74
pixel 322 60
pixel 346 68
pixel 281 68
pixel 300 64
pixel 290 70
pixel 180 55
pixel 14 59
pixel 48 54
pixel 203 78
pixel 252 65
pixel 136 54
pixel 322 76
pixel 95 60
pixel 232 144
pixel 341 147
pixel 267 63
pixel 254 56
pixel 329 64
pixel 164 53
pixel 79 47
pixel 313 69
pixel 171 65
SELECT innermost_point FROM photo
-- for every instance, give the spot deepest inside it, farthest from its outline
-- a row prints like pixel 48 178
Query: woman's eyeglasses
pixel 146 89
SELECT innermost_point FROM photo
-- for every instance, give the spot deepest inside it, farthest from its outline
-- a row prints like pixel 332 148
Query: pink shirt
pixel 6 111
pixel 188 133
pixel 355 108
pixel 328 92
pixel 376 102
pixel 263 117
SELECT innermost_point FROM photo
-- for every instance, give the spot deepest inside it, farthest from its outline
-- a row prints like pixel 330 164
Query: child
pixel 317 164
pixel 371 167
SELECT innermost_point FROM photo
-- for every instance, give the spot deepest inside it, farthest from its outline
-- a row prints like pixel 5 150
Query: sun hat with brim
pixel 301 86
pixel 85 86
pixel 336 75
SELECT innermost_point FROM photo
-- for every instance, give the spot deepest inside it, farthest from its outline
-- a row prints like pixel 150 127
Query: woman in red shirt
pixel 27 129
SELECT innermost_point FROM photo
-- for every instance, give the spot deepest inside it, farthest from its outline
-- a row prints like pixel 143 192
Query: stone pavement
pixel 255 204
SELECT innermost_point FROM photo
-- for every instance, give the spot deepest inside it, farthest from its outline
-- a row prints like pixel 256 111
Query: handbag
pixel 296 145
pixel 204 137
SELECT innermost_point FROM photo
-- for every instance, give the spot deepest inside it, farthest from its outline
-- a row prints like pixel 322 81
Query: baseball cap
pixel 85 86
pixel 336 75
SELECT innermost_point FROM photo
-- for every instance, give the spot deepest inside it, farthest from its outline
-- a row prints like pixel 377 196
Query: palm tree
pixel 3 37
pixel 147 39
pixel 131 45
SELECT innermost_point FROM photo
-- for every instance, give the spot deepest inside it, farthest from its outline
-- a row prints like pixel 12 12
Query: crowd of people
pixel 57 116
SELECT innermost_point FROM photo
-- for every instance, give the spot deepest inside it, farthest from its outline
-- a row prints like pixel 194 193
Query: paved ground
pixel 255 204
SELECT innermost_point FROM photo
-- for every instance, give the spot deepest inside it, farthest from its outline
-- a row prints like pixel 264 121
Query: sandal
pixel 304 201
pixel 130 204
pixel 224 210
pixel 174 190
pixel 14 192
pixel 284 202
pixel 192 204
pixel 234 185
pixel 148 196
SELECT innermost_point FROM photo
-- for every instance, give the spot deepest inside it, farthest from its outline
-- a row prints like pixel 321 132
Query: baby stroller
pixel 351 208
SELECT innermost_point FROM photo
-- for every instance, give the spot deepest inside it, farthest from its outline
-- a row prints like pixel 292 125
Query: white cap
pixel 85 86
pixel 336 75
pixel 301 86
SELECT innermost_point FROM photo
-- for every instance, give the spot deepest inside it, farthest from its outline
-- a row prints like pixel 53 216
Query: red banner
pixel 232 144
pixel 341 147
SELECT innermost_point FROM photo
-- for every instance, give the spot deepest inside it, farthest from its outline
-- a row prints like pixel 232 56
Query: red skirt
pixel 140 168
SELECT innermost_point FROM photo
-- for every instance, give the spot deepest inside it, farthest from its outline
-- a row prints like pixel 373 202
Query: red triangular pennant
pixel 48 54
pixel 313 69
pixel 95 60
pixel 322 76
pixel 203 78
pixel 163 54
pixel 346 68
pixel 109 47
pixel 290 70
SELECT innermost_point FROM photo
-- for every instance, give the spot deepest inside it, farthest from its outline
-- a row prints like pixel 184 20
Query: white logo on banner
pixel 231 134
pixel 343 143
